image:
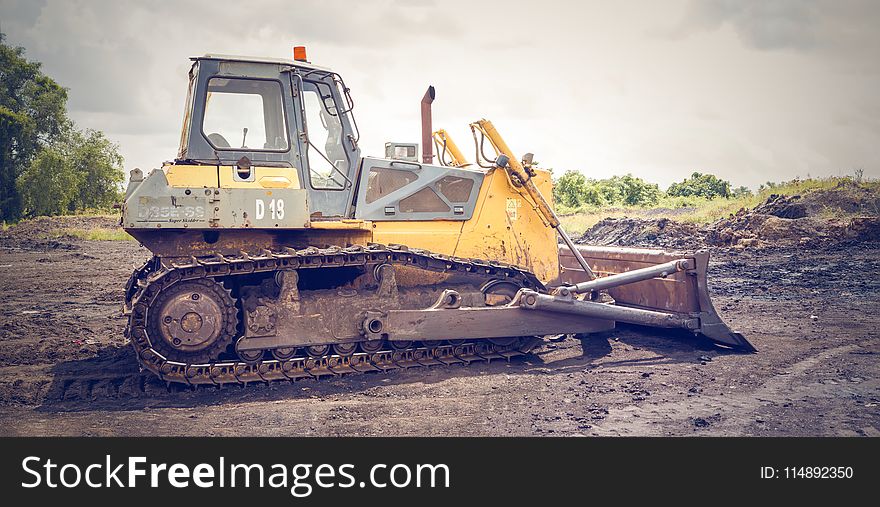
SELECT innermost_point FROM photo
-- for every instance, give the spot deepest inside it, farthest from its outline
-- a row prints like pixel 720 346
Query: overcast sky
pixel 750 91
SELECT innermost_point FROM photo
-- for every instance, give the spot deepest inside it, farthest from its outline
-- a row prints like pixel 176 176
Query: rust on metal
pixel 683 292
pixel 427 147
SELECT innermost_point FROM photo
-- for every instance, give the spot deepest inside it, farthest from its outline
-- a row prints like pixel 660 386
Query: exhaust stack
pixel 427 144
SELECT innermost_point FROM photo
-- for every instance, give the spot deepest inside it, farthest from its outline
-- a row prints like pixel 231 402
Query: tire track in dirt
pixel 732 413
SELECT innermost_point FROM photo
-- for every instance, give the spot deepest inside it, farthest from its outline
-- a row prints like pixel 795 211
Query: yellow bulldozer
pixel 281 252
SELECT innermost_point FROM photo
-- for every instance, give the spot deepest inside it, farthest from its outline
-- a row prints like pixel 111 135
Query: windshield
pixel 328 161
pixel 245 114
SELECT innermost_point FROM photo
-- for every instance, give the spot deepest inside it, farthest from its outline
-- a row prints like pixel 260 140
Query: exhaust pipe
pixel 427 143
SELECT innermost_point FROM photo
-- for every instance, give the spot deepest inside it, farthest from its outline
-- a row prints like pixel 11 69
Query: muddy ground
pixel 810 309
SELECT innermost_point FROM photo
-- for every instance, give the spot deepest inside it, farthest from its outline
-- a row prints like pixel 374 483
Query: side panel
pixel 152 203
pixel 395 190
pixel 191 176
pixel 260 177
pixel 204 176
pixel 510 229
pixel 437 236
pixel 505 228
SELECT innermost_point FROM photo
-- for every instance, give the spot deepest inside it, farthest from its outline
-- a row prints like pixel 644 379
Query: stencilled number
pixel 276 209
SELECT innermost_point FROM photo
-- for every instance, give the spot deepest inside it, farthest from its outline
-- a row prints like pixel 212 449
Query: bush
pixel 701 185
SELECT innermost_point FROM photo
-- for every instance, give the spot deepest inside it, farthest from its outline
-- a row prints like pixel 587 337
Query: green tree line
pixel 47 165
pixel 573 190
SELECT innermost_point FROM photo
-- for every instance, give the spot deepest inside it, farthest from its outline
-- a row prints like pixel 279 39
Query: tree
pixel 741 191
pixel 32 113
pixel 635 191
pixel 608 190
pixel 700 185
pixel 591 195
pixel 80 170
pixel 573 189
pixel 48 166
pixel 12 127
pixel 49 185
pixel 97 161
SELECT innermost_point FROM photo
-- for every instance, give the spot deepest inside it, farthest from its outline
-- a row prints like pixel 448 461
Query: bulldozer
pixel 280 252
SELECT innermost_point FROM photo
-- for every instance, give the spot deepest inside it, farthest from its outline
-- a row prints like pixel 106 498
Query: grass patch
pixel 718 208
pixel 96 212
pixel 578 223
pixel 96 234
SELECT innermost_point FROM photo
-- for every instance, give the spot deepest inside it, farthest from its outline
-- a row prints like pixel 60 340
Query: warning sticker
pixel 512 205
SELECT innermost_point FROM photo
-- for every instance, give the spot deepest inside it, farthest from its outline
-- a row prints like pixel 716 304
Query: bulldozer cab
pixel 264 118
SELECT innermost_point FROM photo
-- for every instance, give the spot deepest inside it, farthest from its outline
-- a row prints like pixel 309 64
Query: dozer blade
pixel 684 293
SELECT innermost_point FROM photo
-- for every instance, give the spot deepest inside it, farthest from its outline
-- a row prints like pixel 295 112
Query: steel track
pixel 148 282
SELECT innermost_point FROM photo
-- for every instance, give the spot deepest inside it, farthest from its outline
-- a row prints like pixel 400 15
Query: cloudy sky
pixel 749 90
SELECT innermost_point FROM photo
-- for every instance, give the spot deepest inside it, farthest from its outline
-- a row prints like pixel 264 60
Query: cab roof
pixel 260 59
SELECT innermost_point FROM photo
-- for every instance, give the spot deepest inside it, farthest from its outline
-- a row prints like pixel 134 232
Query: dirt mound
pixel 845 214
pixel 47 234
pixel 846 198
pixel 782 206
pixel 641 232
pixel 816 218
pixel 47 227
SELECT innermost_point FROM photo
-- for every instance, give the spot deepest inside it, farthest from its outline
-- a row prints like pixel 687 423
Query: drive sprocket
pixel 193 321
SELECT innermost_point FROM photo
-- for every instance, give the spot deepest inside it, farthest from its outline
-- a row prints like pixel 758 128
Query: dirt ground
pixel 809 309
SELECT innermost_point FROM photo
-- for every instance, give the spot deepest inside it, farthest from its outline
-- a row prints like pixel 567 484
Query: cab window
pixel 245 114
pixel 328 162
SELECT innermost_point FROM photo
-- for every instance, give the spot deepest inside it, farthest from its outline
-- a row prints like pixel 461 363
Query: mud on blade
pixel 684 294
